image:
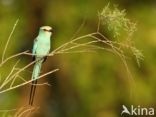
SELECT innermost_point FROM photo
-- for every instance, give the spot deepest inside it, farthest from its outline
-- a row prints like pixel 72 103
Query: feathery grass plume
pixel 138 55
pixel 116 22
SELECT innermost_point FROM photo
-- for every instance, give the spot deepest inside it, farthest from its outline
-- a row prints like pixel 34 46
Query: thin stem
pixel 78 30
pixel 78 38
pixel 14 75
pixel 8 40
pixel 27 110
pixel 78 45
pixel 8 77
pixel 82 51
pixel 99 22
pixel 14 87
pixel 11 57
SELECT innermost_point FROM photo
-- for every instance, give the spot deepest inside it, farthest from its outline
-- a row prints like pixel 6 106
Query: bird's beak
pixel 51 30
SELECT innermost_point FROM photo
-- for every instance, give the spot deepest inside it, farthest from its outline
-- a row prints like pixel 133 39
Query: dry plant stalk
pixel 114 21
pixel 20 112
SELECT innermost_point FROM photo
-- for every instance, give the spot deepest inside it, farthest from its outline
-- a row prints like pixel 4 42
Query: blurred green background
pixel 87 84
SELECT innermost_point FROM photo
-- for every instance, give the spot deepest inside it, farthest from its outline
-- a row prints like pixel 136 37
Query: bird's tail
pixel 35 74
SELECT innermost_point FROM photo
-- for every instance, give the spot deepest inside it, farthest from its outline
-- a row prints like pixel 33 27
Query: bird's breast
pixel 43 48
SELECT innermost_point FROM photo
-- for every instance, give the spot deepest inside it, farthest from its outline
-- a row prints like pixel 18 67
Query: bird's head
pixel 47 30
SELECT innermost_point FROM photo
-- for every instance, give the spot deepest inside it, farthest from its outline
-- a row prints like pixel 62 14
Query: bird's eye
pixel 48 30
pixel 44 29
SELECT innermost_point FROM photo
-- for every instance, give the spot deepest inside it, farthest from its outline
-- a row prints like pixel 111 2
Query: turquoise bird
pixel 41 49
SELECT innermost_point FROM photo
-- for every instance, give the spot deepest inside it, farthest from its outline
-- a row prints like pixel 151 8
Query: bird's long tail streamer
pixel 35 74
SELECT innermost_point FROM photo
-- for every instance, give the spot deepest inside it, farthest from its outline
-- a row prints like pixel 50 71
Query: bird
pixel 41 48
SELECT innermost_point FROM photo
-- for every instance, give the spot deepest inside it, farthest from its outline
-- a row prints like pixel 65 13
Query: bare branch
pixel 76 39
pixel 15 74
pixel 22 84
pixel 13 56
pixel 7 79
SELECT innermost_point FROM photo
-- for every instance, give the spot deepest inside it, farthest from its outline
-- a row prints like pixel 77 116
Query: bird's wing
pixel 45 58
pixel 34 48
